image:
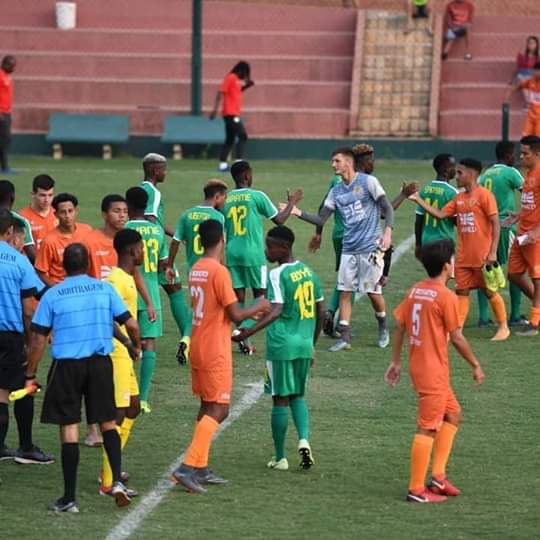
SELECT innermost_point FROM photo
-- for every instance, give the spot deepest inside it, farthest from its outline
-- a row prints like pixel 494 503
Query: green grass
pixel 361 430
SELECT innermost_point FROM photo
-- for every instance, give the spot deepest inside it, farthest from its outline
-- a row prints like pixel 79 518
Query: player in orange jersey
pixel 525 252
pixel 478 230
pixel 215 307
pixel 68 231
pixel 39 212
pixel 429 317
pixel 532 86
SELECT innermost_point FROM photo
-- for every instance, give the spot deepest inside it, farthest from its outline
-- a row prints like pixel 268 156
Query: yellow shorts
pixel 125 380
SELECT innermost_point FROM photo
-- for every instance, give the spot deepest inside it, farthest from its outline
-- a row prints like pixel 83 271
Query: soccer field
pixel 361 429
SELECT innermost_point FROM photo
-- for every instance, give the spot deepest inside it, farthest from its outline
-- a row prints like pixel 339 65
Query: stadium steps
pixel 127 57
pixel 395 78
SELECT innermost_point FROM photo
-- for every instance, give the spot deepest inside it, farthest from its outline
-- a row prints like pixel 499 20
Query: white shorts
pixel 360 273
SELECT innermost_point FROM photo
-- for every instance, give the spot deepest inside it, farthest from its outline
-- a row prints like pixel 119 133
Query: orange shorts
pixel 433 407
pixel 212 386
pixel 525 259
pixel 532 125
pixel 469 278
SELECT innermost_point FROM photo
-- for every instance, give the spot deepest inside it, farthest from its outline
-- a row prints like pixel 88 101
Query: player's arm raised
pixel 393 373
pixel 407 189
pixel 435 212
pixel 462 346
pixel 292 199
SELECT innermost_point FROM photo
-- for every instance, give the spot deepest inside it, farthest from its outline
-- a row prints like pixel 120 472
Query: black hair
pixel 7 192
pixel 503 149
pixel 213 187
pixel 75 259
pixel 242 69
pixel 6 220
pixel 537 65
pixel 137 198
pixel 532 141
pixel 346 151
pixel 42 181
pixel 125 239
pixel 282 234
pixel 472 163
pixel 18 226
pixel 8 60
pixel 441 161
pixel 238 170
pixel 211 232
pixel 109 200
pixel 434 255
pixel 536 50
pixel 64 197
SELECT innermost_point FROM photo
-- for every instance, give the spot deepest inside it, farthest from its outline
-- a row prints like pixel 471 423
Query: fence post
pixel 505 124
pixel 196 58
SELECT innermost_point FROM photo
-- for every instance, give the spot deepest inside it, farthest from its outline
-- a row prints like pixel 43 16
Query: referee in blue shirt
pixel 18 284
pixel 80 312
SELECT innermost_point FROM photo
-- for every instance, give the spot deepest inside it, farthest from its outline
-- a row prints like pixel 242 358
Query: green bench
pixel 180 130
pixel 101 129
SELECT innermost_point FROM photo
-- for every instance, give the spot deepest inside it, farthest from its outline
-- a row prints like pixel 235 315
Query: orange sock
pixel 534 319
pixel 420 454
pixel 498 307
pixel 442 448
pixel 197 453
pixel 463 309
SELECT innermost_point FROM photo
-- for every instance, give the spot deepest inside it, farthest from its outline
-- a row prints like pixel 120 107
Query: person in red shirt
pixel 429 317
pixel 39 212
pixel 458 22
pixel 230 91
pixel 6 100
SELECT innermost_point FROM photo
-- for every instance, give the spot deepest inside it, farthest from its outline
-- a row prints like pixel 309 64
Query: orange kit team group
pixel 92 285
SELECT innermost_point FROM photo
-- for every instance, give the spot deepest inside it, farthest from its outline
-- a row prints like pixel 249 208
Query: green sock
pixel 280 422
pixel 300 416
pixel 148 365
pixel 515 302
pixel 333 305
pixel 181 312
pixel 483 314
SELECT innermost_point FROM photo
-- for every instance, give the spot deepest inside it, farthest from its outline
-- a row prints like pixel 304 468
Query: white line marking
pixel 131 521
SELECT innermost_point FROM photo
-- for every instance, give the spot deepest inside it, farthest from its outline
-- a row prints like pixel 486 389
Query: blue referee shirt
pixel 80 312
pixel 18 280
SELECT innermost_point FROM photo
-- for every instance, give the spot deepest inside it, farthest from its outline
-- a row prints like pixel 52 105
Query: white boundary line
pixel 131 521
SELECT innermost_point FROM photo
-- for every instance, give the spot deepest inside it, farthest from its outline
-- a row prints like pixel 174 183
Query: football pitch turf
pixel 361 429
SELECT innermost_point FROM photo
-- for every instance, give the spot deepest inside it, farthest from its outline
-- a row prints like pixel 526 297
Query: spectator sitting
pixel 532 121
pixel 458 22
pixel 418 9
pixel 525 66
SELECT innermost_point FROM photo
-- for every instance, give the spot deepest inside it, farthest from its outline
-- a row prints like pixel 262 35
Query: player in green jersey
pixel 244 210
pixel 294 324
pixel 437 193
pixel 155 172
pixel 155 257
pixel 503 180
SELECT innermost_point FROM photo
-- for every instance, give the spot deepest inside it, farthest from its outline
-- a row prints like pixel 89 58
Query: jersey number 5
pixel 416 319
pixel 306 299
pixel 238 214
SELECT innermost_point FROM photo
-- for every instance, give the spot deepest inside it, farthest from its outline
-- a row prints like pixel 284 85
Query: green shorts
pixel 508 235
pixel 150 329
pixel 249 277
pixel 163 280
pixel 338 243
pixel 287 377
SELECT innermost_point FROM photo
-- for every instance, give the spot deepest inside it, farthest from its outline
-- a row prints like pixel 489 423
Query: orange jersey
pixel 474 228
pixel 41 226
pixel 533 87
pixel 211 292
pixel 51 252
pixel 6 92
pixel 103 257
pixel 429 313
pixel 231 87
pixel 529 216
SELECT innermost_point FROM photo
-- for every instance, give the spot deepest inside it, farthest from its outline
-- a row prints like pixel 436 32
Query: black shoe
pixel 485 324
pixel 34 455
pixel 245 347
pixel 6 453
pixel 182 353
pixel 61 506
pixel 205 476
pixel 328 324
pixel 522 321
pixel 186 476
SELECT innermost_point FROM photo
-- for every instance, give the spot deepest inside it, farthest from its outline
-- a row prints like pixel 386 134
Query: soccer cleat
pixel 340 345
pixel 443 486
pixel 120 494
pixel 485 324
pixel 279 465
pixel 204 475
pixel 521 321
pixel 490 279
pixel 384 338
pixel 246 347
pixel 145 407
pixel 223 166
pixel 107 490
pixel 328 324
pixel 124 477
pixel 530 331
pixel 500 278
pixel 425 496
pixel 7 453
pixel 187 477
pixel 60 506
pixel 34 455
pixel 306 455
pixel 182 354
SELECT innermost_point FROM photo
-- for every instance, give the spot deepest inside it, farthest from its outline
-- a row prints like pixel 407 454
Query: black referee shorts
pixel 5 130
pixel 69 381
pixel 12 361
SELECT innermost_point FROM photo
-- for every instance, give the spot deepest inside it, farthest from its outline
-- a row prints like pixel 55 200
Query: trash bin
pixel 66 15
